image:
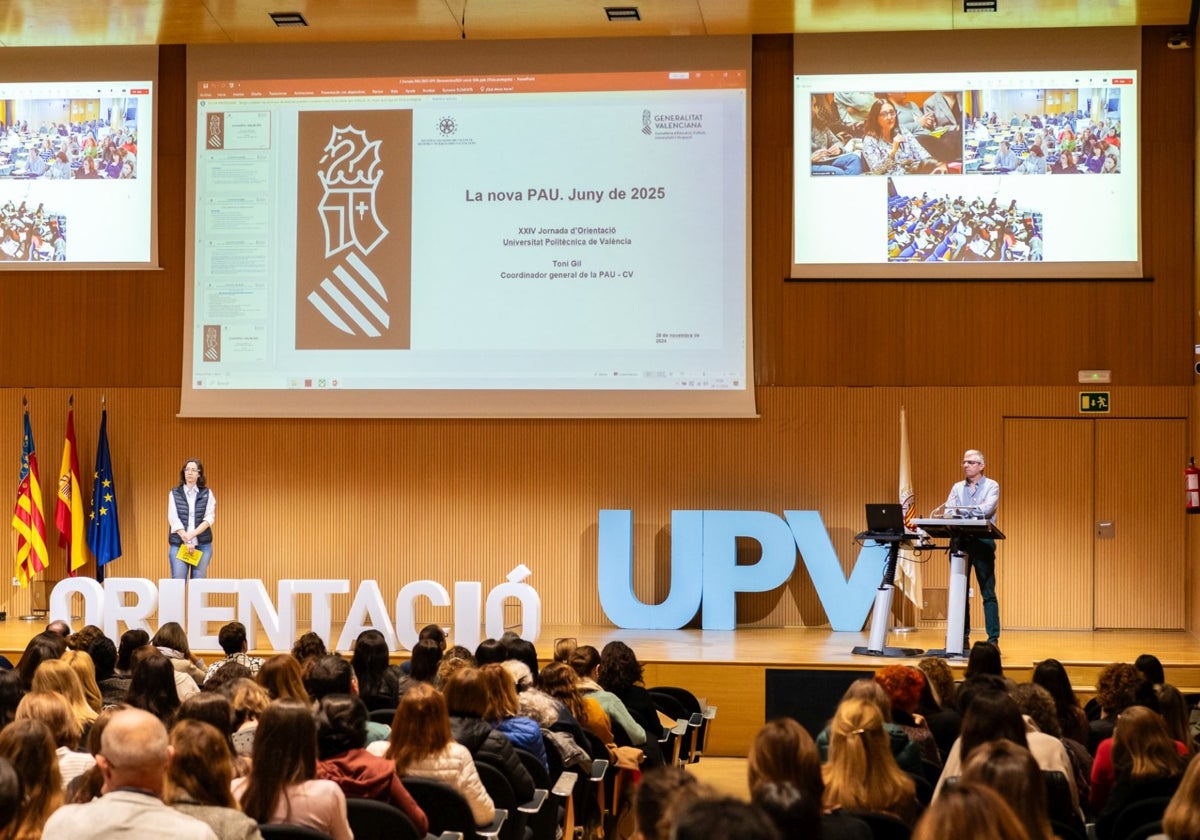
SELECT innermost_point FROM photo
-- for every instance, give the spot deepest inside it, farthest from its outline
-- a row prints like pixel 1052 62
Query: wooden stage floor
pixel 728 668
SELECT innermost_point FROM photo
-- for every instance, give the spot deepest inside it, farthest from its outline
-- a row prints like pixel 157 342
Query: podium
pixel 956 531
pixel 881 613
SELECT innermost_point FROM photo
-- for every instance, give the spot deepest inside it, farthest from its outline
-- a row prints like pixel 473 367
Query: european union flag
pixel 104 533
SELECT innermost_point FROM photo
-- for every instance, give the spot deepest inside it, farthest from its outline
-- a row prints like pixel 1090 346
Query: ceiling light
pixel 282 19
pixel 622 13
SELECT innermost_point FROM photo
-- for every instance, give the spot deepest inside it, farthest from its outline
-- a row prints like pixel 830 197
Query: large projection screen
pixel 979 155
pixel 496 229
pixel 77 158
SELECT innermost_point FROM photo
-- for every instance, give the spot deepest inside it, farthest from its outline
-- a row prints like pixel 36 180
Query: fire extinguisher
pixel 1192 477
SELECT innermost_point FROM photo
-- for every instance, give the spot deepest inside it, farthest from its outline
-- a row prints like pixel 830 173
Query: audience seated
pixel 938 703
pixel 586 663
pixel 113 688
pixel 466 696
pixel 725 817
pixel 29 746
pixel 784 759
pixel 1117 687
pixel 860 773
pixel 131 640
pixel 661 794
pixel 11 693
pixel 434 633
pixel 153 685
pixel 88 785
pixel 342 758
pixel 421 745
pixel 282 678
pixel 903 685
pixel 992 714
pixel 133 761
pixel 576 712
pixel 248 700
pixel 1036 705
pixel 503 711
pixel 307 648
pixel 285 788
pixel 214 708
pixel 621 673
pixel 1175 714
pixel 81 663
pixel 41 647
pixel 1182 818
pixel 970 810
pixel 1052 676
pixel 172 643
pixel 1009 735
pixel 1010 771
pixel 422 666
pixel 906 753
pixel 1140 761
pixel 56 675
pixel 51 709
pixel 232 639
pixel 331 674
pixel 11 797
pixel 378 681
pixel 199 779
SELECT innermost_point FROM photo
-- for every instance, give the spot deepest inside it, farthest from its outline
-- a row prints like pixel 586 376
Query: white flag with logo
pixel 908 571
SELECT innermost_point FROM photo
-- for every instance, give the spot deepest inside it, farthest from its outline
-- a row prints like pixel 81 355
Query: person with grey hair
pixel 981 495
pixel 133 759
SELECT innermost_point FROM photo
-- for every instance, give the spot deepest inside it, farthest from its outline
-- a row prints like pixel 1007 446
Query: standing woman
pixel 191 509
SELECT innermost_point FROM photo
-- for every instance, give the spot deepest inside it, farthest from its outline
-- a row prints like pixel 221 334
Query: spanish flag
pixel 69 515
pixel 29 519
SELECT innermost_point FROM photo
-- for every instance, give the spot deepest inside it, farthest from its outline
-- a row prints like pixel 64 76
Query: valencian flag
pixel 68 511
pixel 104 534
pixel 29 519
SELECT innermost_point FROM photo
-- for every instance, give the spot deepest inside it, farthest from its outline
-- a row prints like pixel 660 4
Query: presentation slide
pixel 950 161
pixel 514 244
pixel 77 163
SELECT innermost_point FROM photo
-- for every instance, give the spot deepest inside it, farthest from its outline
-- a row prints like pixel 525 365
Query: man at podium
pixel 981 495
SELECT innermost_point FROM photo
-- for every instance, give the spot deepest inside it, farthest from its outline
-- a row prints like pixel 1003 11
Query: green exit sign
pixel 1094 402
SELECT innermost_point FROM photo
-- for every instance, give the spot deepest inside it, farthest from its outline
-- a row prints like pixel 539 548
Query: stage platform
pixel 731 668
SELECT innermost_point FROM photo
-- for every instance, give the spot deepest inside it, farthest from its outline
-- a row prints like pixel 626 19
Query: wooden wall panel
pixel 400 500
pixel 1140 581
pixel 1026 333
pixel 1048 513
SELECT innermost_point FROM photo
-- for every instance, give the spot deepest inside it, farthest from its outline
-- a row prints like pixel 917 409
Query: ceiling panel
pixel 34 23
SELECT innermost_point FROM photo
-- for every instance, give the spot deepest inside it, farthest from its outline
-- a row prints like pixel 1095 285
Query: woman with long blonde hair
pixel 861 773
pixel 421 746
pixel 57 675
pixel 83 666
pixel 51 709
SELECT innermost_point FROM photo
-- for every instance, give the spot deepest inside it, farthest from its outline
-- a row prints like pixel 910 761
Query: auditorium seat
pixel 373 820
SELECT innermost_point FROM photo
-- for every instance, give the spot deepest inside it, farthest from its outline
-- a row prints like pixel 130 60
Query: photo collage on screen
pixel 57 140
pixel 963 135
